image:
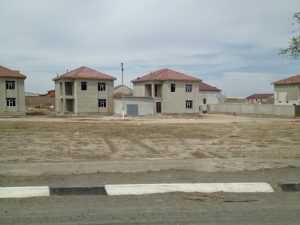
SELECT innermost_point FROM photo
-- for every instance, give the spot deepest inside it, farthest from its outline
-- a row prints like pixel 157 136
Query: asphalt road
pixel 172 208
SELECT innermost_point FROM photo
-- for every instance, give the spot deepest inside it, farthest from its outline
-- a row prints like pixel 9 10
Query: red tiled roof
pixel 260 96
pixel 85 73
pixel 165 74
pixel 5 72
pixel 289 80
pixel 205 87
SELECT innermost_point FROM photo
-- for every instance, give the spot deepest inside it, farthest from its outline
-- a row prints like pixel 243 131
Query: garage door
pixel 132 110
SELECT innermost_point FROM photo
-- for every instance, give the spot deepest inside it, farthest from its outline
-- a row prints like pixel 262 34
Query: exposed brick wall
pixel 34 101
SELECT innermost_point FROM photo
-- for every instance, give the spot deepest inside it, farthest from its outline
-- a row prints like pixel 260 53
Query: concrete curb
pixel 24 192
pixel 77 190
pixel 141 189
pixel 290 186
pixel 134 189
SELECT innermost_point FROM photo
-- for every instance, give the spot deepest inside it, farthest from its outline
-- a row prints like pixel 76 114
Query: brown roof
pixel 124 87
pixel 165 74
pixel 5 72
pixel 260 96
pixel 289 80
pixel 205 87
pixel 85 73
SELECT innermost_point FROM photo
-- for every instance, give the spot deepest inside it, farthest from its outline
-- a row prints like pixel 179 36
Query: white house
pixel 209 94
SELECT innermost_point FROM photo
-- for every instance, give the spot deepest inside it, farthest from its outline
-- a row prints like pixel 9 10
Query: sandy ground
pixel 34 139
pixel 92 151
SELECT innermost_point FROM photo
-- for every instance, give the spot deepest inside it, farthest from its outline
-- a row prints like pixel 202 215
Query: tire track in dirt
pixel 149 149
pixel 111 146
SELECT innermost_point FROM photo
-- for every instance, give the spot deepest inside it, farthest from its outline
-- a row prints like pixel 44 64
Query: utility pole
pixel 123 113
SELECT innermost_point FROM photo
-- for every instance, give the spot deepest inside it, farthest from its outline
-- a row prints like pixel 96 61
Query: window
pixel 173 87
pixel 83 86
pixel 101 86
pixel 189 104
pixel 102 103
pixel 188 88
pixel 10 102
pixel 10 84
pixel 204 101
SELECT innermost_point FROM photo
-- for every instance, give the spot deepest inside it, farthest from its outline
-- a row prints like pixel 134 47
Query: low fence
pixel 44 101
pixel 258 109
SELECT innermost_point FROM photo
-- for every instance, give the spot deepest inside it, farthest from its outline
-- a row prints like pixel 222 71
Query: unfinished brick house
pixel 12 98
pixel 172 91
pixel 287 91
pixel 84 91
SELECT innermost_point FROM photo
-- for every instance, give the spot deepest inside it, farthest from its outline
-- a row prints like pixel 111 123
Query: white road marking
pixel 24 192
pixel 140 189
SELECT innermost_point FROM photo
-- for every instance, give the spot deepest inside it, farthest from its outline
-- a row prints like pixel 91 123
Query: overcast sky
pixel 231 44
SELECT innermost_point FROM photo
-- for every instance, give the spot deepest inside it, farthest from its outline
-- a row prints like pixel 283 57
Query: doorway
pixel 70 105
pixel 158 107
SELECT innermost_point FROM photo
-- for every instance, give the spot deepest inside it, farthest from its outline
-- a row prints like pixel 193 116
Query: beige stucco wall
pixel 212 97
pixel 86 101
pixel 172 102
pixel 139 89
pixel 288 94
pixel 145 105
pixel 17 93
pixel 258 109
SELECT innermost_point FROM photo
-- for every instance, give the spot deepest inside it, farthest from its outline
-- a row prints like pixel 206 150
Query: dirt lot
pixel 211 136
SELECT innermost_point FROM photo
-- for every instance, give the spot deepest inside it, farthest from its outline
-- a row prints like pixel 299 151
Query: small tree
pixel 294 48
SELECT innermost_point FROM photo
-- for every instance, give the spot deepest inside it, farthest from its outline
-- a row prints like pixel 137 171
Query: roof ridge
pixel 86 73
pixel 288 80
pixel 166 74
pixel 80 69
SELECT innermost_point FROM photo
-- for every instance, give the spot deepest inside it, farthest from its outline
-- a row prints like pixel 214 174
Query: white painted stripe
pixel 140 189
pixel 24 192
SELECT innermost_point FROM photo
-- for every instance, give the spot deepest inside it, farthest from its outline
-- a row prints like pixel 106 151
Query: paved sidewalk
pixel 141 165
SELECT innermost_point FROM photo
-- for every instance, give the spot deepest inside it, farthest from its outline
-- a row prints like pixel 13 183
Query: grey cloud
pixel 202 38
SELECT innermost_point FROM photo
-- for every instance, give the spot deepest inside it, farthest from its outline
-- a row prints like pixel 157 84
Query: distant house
pixel 12 99
pixel 287 91
pixel 123 88
pixel 83 91
pixel 209 94
pixel 234 100
pixel 30 94
pixel 172 91
pixel 50 93
pixel 40 100
pixel 260 99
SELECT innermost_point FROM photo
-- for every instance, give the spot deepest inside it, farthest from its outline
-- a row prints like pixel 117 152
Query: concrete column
pixel 152 90
pixel 64 106
pixel 63 89
pixel 75 89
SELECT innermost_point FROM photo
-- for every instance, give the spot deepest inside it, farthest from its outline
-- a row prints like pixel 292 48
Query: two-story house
pixel 12 98
pixel 84 91
pixel 287 91
pixel 172 91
